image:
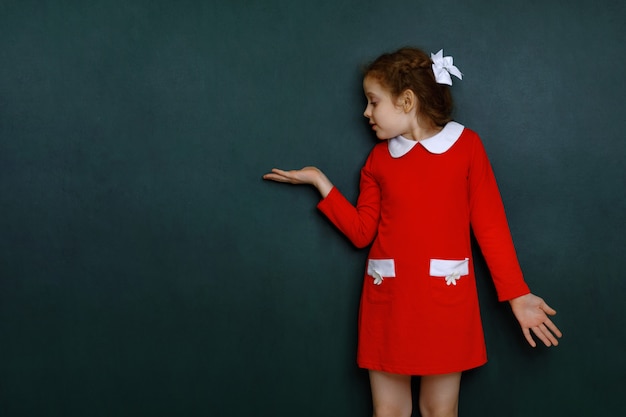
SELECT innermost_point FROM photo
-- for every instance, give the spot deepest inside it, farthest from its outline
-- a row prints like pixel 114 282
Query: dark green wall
pixel 146 269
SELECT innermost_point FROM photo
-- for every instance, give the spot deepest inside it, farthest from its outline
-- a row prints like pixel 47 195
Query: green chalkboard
pixel 146 269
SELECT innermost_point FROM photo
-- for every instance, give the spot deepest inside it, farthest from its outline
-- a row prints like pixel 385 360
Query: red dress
pixel 419 312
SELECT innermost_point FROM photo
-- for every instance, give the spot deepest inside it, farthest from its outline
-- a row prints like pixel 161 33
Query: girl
pixel 421 189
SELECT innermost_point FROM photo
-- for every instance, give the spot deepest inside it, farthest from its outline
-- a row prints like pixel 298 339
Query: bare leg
pixel 439 395
pixel 391 394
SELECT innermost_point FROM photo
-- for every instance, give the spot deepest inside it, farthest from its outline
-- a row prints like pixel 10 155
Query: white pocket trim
pixel 380 269
pixel 452 270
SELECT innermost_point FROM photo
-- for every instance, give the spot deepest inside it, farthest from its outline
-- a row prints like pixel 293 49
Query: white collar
pixel 438 144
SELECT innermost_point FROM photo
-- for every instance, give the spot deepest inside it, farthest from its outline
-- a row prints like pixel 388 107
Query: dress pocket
pixel 379 269
pixel 449 283
pixel 451 270
pixel 380 289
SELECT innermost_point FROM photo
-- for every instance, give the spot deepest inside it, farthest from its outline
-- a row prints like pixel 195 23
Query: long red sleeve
pixel 358 223
pixel 490 226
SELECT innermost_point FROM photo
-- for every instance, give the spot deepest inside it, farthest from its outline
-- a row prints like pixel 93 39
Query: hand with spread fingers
pixel 532 314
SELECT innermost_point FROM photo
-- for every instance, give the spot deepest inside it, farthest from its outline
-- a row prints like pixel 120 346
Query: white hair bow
pixel 443 67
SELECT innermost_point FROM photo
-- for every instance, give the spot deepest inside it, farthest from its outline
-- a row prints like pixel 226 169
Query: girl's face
pixel 386 116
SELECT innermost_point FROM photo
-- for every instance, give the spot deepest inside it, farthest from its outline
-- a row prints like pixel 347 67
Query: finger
pixel 280 175
pixel 272 172
pixel 549 335
pixel 555 330
pixel 528 337
pixel 547 309
pixel 280 172
pixel 280 178
pixel 537 331
pixel 275 177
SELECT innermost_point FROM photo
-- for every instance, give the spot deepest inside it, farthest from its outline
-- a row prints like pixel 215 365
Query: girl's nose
pixel 367 113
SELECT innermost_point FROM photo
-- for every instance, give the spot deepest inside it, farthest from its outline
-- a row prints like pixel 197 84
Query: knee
pixel 439 410
pixel 392 410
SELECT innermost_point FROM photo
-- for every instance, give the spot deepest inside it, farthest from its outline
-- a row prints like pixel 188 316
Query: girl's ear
pixel 408 101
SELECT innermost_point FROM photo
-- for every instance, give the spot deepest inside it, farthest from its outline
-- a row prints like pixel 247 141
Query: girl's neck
pixel 421 131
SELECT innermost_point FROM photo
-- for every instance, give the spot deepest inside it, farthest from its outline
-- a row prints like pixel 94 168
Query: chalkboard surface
pixel 147 270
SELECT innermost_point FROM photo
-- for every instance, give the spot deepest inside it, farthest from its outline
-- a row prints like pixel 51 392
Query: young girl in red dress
pixel 421 190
